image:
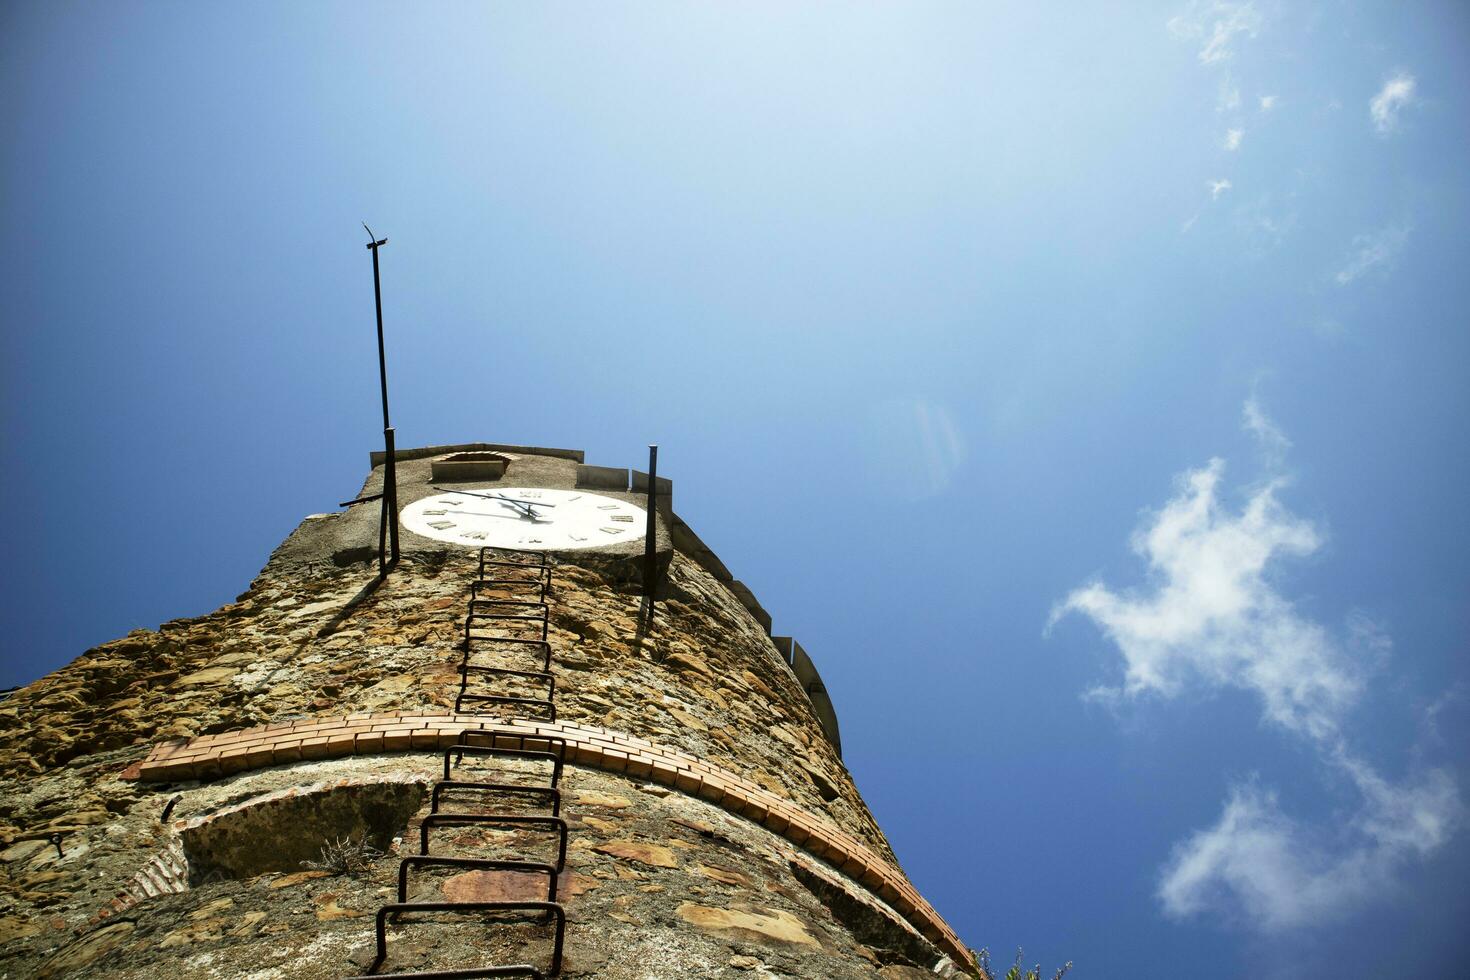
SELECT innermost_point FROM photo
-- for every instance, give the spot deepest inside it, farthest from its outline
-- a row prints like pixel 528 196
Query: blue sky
pixel 1084 387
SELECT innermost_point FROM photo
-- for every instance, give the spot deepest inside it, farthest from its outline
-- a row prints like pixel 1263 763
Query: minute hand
pixel 503 517
pixel 497 496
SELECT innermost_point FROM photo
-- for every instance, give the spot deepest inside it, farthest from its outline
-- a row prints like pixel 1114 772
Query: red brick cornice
pixel 212 756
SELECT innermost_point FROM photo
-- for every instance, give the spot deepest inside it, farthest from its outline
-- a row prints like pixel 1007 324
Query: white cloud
pixel 1217 24
pixel 1384 107
pixel 1273 441
pixel 1233 138
pixel 1212 618
pixel 1218 187
pixel 1372 251
pixel 1268 102
pixel 1280 874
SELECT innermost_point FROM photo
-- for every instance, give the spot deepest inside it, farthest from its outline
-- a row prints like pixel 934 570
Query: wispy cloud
pixel 1264 224
pixel 1375 250
pixel 1212 618
pixel 1280 874
pixel 1217 25
pixel 1227 98
pixel 1218 187
pixel 1233 138
pixel 1268 102
pixel 1384 107
pixel 1215 618
pixel 1273 442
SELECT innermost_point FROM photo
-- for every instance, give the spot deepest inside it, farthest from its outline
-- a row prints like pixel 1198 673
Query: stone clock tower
pixel 500 759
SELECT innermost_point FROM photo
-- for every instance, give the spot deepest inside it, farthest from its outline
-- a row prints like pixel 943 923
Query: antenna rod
pixel 373 247
pixel 388 518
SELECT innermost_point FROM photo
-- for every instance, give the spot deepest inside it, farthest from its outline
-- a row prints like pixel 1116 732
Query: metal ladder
pixel 497 626
pixel 480 625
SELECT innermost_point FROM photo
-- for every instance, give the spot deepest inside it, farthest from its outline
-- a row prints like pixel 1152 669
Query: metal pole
pixel 650 543
pixel 383 536
pixel 378 302
pixel 388 517
pixel 390 495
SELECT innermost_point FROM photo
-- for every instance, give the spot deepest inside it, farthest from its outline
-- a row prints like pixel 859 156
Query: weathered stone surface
pixel 208 676
pixel 625 914
pixel 286 881
pixel 315 636
pixel 653 855
pixel 770 924
pixel 494 886
pixel 328 910
pixel 607 800
pixel 12 928
pixel 89 948
pixel 283 831
pixel 724 876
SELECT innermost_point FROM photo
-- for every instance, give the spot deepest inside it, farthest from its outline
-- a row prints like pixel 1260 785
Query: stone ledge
pixel 213 756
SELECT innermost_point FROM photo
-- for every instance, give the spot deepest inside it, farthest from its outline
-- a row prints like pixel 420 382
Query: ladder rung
pixel 550 706
pixel 514 564
pixel 489 864
pixel 458 752
pixel 475 586
pixel 542 675
pixel 510 616
pixel 399 908
pixel 502 819
pixel 556 746
pixel 475 973
pixel 478 638
pixel 550 792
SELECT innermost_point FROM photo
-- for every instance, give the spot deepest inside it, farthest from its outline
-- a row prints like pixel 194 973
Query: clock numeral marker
pixel 577 537
pixel 577 497
pixel 434 513
pixel 607 507
pixel 625 518
pixel 530 540
pixel 475 535
pixel 530 494
pixel 456 503
pixel 612 530
pixel 441 525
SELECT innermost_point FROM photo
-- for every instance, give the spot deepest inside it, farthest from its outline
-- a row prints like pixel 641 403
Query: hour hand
pixel 520 507
pixel 528 504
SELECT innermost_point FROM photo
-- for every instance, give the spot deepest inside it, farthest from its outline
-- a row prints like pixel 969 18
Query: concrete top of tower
pixel 351 535
pixel 377 457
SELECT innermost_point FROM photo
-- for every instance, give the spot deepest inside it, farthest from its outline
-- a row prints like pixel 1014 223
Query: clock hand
pixel 524 512
pixel 496 496
pixel 503 517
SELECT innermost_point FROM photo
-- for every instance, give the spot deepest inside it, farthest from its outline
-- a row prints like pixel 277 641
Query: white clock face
pixel 527 518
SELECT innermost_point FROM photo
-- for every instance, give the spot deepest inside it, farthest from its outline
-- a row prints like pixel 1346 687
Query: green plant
pixel 1016 972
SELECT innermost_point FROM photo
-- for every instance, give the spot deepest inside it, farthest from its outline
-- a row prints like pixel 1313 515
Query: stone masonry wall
pixel 312 639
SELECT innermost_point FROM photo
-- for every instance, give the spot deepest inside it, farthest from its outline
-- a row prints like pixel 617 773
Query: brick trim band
pixel 212 756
